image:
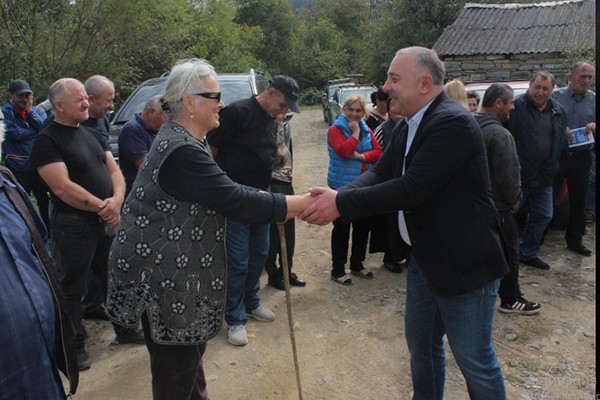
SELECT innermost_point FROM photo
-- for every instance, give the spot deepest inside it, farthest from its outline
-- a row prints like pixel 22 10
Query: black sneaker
pixel 520 306
pixel 83 361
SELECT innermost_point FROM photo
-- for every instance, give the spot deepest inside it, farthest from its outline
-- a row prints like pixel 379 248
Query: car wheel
pixel 325 116
pixel 329 118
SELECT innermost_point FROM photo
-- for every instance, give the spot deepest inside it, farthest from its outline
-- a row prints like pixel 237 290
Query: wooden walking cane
pixel 288 302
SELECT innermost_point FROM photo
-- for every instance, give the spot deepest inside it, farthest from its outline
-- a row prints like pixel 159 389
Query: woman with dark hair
pixel 167 262
pixel 379 113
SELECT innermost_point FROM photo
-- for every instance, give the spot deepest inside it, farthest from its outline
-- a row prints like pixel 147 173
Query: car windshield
pixel 364 92
pixel 232 89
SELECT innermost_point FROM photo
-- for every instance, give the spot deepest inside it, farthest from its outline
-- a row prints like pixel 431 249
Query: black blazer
pixel 445 195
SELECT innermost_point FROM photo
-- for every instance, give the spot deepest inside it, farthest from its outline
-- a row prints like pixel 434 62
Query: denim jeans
pixel 247 247
pixel 539 202
pixel 466 320
pixel 75 241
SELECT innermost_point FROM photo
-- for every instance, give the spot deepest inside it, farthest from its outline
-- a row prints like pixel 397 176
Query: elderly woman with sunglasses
pixel 167 263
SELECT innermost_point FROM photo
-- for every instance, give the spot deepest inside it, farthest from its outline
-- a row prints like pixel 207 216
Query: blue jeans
pixel 539 215
pixel 466 320
pixel 247 247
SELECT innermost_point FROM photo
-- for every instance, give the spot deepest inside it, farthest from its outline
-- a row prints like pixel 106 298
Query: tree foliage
pixel 131 41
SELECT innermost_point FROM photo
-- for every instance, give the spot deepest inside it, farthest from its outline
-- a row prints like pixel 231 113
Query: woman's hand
pixel 359 156
pixel 354 128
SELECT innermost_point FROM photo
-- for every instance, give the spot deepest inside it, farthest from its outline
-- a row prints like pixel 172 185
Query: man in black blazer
pixel 435 176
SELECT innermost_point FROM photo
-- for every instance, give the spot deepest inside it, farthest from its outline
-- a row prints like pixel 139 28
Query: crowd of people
pixel 173 241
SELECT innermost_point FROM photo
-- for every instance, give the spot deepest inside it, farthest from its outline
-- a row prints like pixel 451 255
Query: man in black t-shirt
pixel 87 190
pixel 244 145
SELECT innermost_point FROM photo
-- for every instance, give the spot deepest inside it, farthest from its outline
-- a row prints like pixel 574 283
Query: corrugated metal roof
pixel 520 28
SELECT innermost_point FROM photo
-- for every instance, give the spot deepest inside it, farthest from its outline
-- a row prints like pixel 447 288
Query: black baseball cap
pixel 289 87
pixel 19 86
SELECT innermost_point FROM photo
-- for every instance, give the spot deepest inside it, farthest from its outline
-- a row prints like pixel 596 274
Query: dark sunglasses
pixel 209 95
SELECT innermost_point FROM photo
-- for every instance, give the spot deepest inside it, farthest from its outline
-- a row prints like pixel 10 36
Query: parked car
pixel 519 87
pixel 233 86
pixel 341 93
pixel 332 85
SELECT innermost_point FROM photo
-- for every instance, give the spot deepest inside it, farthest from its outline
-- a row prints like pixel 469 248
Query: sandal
pixel 363 273
pixel 342 280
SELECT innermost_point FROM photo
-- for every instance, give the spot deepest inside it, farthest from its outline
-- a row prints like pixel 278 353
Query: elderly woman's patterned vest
pixel 168 257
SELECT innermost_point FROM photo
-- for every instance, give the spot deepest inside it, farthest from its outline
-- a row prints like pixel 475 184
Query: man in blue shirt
pixel 580 105
pixel 136 137
pixel 22 123
pixel 30 348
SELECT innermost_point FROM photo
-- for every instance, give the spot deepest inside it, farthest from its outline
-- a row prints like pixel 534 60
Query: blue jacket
pixel 344 170
pixel 521 125
pixel 19 135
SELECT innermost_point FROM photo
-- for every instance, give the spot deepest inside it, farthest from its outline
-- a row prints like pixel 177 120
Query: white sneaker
pixel 262 314
pixel 237 336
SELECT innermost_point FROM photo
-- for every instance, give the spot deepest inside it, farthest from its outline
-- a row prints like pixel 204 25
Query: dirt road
pixel 351 339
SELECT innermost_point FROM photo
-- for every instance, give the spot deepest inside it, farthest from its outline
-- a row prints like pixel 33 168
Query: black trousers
pixel 339 244
pixel 177 371
pixel 509 289
pixel 575 167
pixel 271 265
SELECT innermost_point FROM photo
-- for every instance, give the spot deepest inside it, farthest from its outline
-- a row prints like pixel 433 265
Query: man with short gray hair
pixel 136 137
pixel 575 162
pixel 434 176
pixel 87 190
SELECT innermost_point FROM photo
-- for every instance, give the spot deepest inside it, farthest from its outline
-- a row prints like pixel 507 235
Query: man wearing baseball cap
pixel 244 145
pixel 22 122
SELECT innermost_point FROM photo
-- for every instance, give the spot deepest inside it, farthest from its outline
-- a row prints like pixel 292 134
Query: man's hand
pixel 568 133
pixel 323 210
pixel 591 127
pixel 110 211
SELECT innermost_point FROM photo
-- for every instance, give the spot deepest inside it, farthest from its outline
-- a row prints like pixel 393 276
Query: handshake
pixel 315 207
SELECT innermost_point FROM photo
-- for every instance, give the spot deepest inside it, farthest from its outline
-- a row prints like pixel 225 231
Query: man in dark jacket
pixel 505 178
pixel 435 176
pixel 538 124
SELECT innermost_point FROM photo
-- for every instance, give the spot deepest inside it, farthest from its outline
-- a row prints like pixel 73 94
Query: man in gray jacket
pixel 505 178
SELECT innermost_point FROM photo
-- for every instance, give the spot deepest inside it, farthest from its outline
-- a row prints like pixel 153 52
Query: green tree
pixel 277 23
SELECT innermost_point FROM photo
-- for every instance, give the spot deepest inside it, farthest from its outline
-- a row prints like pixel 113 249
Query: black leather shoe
pixel 535 262
pixel 295 281
pixel 393 266
pixel 277 283
pixel 131 337
pixel 83 361
pixel 579 249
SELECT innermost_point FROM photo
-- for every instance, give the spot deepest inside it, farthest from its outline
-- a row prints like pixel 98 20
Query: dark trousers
pixel 77 240
pixel 33 183
pixel 273 270
pixel 509 289
pixel 575 167
pixel 339 244
pixel 177 371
